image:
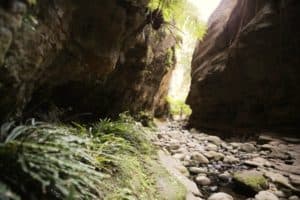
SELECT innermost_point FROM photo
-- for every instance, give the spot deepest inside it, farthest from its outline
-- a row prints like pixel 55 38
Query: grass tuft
pixel 52 162
pixel 109 160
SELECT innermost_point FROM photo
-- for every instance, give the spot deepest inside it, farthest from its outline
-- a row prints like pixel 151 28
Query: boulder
pixel 199 158
pixel 266 195
pixel 248 147
pixel 202 180
pixel 250 182
pixel 220 196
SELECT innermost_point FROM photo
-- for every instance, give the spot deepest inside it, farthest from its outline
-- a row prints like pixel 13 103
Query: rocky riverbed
pixel 265 168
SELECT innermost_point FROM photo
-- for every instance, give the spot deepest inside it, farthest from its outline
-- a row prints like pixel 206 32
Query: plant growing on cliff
pixel 183 13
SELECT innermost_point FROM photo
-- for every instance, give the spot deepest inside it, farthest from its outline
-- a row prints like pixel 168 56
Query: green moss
pixel 253 180
pixel 169 188
pixel 133 180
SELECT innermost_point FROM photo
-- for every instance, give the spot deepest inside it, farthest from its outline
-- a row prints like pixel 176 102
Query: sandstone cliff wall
pixel 246 73
pixel 81 57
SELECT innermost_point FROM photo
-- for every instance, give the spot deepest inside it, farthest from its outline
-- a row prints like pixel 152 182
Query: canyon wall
pixel 73 57
pixel 245 73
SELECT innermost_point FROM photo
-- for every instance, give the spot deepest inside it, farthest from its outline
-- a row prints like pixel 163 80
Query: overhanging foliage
pixel 183 13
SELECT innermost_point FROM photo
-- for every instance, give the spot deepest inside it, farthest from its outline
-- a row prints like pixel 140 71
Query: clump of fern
pixel 48 161
pixel 52 162
pixel 183 13
pixel 127 128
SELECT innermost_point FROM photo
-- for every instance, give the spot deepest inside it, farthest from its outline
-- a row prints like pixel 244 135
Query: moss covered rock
pixel 250 182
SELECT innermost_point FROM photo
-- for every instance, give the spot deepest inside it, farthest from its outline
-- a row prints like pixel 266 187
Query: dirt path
pixel 266 169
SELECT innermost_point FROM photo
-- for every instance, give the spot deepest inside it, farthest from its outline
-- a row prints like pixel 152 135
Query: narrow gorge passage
pixel 149 100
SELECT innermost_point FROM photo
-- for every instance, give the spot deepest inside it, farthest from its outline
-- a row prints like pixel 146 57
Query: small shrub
pixel 178 107
pixel 146 119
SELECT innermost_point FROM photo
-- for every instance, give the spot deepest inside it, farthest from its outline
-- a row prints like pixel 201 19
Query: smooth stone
pixel 226 146
pixel 214 155
pixel 235 145
pixel 258 162
pixel 279 193
pixel 211 147
pixel 201 159
pixel 214 139
pixel 220 196
pixel 213 188
pixel 198 170
pixel 280 179
pixel 231 159
pixel 294 197
pixel 203 180
pixel 248 147
pixel 265 195
pixel 225 177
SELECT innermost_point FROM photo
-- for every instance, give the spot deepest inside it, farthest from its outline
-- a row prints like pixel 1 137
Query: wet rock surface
pixel 229 170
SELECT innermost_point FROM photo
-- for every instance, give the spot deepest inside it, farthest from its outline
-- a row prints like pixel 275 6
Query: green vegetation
pixel 6 194
pixel 146 119
pixel 178 107
pixel 110 160
pixel 253 180
pixel 183 13
pixel 32 2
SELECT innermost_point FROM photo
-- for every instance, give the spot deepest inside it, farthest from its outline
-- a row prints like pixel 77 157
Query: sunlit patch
pixel 181 78
pixel 205 7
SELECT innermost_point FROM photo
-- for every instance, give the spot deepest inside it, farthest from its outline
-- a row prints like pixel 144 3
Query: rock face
pixel 141 82
pixel 245 72
pixel 96 58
